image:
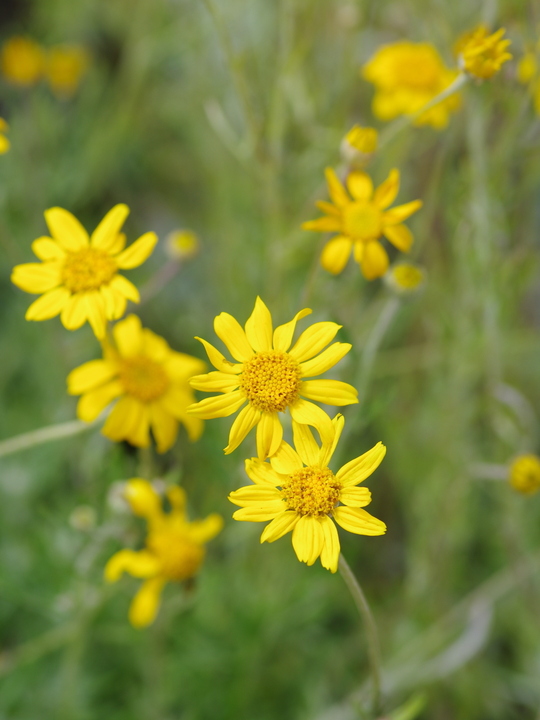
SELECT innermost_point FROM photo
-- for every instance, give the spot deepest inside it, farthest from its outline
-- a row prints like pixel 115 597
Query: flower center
pixel 271 381
pixel 180 557
pixel 362 220
pixel 407 277
pixel 87 269
pixel 143 378
pixel 312 491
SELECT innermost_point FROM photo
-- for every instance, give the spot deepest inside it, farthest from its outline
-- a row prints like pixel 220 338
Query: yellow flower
pixel 405 278
pixel 79 275
pixel 22 60
pixel 525 474
pixel 529 74
pixel 174 547
pixel 361 221
pixel 297 491
pixel 363 139
pixel 270 378
pixel 151 382
pixel 181 244
pixel 4 142
pixel 407 76
pixel 65 66
pixel 481 54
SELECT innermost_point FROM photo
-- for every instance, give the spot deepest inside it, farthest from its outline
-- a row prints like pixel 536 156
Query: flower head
pixel 361 217
pixel 269 378
pixel 405 278
pixel 407 76
pixel 481 54
pixel 181 244
pixel 4 142
pixel 149 382
pixel 174 547
pixel 297 491
pixel 65 66
pixel 363 139
pixel 78 275
pixel 525 474
pixel 22 60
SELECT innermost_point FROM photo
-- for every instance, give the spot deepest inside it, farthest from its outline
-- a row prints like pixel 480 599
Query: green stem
pixel 372 635
pixel 373 343
pixel 43 435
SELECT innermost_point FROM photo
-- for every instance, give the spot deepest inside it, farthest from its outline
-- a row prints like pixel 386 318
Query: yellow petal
pixel 138 252
pixel 47 249
pixel 358 251
pixel 400 236
pixel 215 382
pixel 262 473
pixel 177 399
pixel 335 254
pixel 401 212
pixel 360 185
pixel 36 278
pixel 138 432
pixel 74 312
pixel 254 495
pixel 182 367
pixel 283 334
pixel 355 496
pixel 126 288
pixel 259 327
pixel 48 305
pixel 259 514
pixel 375 261
pixel 306 413
pixel 140 564
pixel 115 302
pixel 129 420
pixel 95 312
pixel 305 444
pixel 231 333
pixel 178 500
pixel 218 406
pixel 286 460
pixel 323 224
pixel 313 340
pixel 247 418
pixel 194 426
pixel 328 448
pixel 330 392
pixel 93 402
pixel 118 245
pixel 331 547
pixel 154 346
pixel 325 360
pixel 327 208
pixel 337 192
pixel 89 376
pixel 358 521
pixel 308 539
pixel 128 336
pixel 269 435
pixel 143 499
pixel 145 604
pixel 4 144
pixel 164 427
pixel 202 531
pixel 66 229
pixel 387 191
pixel 218 360
pixel 106 234
pixel 280 526
pixel 360 468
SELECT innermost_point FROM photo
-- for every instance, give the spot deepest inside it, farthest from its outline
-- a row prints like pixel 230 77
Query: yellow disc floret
pixel 312 491
pixel 525 474
pixel 88 269
pixel 180 558
pixel 362 220
pixel 143 378
pixel 271 381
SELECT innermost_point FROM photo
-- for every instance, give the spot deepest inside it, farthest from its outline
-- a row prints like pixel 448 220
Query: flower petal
pixel 259 514
pixel 125 287
pixel 182 367
pixel 128 336
pixel 400 236
pixel 45 248
pixel 330 392
pixel 259 327
pixel 138 252
pixel 73 314
pixel 355 496
pixel 215 382
pixel 218 406
pixel 48 305
pixel 331 546
pixel 387 191
pixel 308 539
pixel 280 526
pixel 325 360
pixel 283 334
pixel 327 208
pixel 154 346
pixel 231 333
pixel 360 468
pixel 360 185
pixel 141 564
pixel 247 418
pixel 129 420
pixel 106 234
pixel 164 427
pixel 328 449
pixel 335 254
pixel 37 278
pixel 269 435
pixel 253 495
pixel 66 229
pixel 358 521
pixel 313 340
pixel 401 212
pixel 306 413
pixel 145 605
pixel 337 192
pixel 218 360
pixel 286 460
pixel 262 473
pixel 95 312
pixel 375 261
pixel 323 224
pixel 115 302
pixel 305 444
pixel 89 376
pixel 93 402
pixel 143 499
pixel 201 531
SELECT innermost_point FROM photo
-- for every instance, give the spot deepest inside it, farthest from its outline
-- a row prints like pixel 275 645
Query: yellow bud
pixel 181 244
pixel 525 474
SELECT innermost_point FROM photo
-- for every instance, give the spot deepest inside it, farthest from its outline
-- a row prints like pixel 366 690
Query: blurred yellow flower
pixel 151 382
pixel 181 244
pixel 361 221
pixel 481 54
pixel 79 274
pixel 529 74
pixel 22 61
pixel 407 76
pixel 4 142
pixel 174 547
pixel 64 68
pixel 297 491
pixel 525 474
pixel 405 278
pixel 270 377
pixel 363 139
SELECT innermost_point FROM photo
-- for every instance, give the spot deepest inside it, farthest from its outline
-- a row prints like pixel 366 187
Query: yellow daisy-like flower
pixel 181 244
pixel 270 377
pixel 297 491
pixel 481 54
pixel 150 381
pixel 79 274
pixel 361 218
pixel 407 76
pixel 529 74
pixel 65 66
pixel 4 142
pixel 22 61
pixel 405 278
pixel 524 474
pixel 174 547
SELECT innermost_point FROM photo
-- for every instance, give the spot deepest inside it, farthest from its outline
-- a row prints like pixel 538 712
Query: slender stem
pixel 374 341
pixel 374 650
pixel 43 435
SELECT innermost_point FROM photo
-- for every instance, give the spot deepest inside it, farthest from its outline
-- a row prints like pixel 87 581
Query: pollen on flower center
pixel 362 220
pixel 87 269
pixel 180 557
pixel 271 381
pixel 143 378
pixel 312 491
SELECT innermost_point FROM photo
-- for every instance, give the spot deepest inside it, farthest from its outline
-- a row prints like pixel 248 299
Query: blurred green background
pixel 224 124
